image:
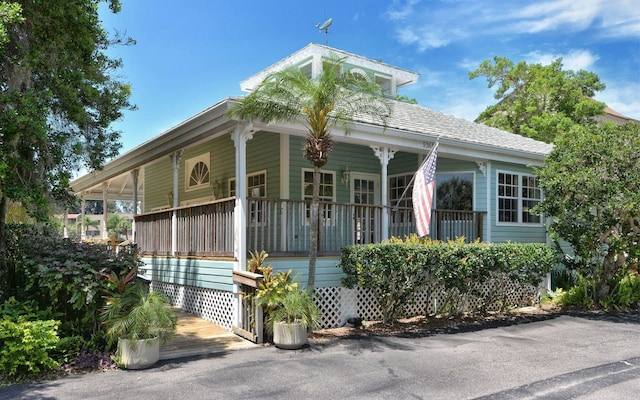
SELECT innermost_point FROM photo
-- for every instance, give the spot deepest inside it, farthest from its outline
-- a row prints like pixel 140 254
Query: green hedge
pixel 395 271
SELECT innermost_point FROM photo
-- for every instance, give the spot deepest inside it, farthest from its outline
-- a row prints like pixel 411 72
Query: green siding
pixel 263 153
pixel 403 163
pixel 356 158
pixel 327 272
pixel 524 233
pixel 158 182
pixel 207 274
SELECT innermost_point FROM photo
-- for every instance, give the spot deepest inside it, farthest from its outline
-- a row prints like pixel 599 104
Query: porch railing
pixel 281 227
pixel 203 230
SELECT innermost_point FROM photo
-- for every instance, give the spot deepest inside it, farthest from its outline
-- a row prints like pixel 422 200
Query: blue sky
pixel 191 54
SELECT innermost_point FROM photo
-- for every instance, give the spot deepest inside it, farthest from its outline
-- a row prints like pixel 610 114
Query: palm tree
pixel 334 98
pixel 88 223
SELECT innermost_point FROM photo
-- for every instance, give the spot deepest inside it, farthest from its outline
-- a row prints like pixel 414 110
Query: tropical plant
pixel 136 313
pixel 90 223
pixel 295 306
pixel 118 225
pixel 335 97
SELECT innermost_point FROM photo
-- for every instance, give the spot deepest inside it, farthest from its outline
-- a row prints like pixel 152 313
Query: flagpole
pixel 395 208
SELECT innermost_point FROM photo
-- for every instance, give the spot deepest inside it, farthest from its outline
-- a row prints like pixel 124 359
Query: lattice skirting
pixel 338 304
pixel 212 305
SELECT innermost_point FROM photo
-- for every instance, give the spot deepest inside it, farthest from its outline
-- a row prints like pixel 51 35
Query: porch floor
pixel 196 337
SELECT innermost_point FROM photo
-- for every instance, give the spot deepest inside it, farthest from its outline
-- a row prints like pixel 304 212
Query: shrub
pixel 64 276
pixel 395 271
pixel 25 346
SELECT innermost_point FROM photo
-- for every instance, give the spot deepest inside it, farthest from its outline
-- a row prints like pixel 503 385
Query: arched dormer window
pixel 197 171
pixel 360 74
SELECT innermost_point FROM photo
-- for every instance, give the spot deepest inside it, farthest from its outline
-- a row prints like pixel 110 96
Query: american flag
pixel 424 183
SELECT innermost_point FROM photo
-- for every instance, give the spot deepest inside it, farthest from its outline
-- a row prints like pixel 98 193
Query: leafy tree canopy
pixel 538 101
pixel 58 98
pixel 592 191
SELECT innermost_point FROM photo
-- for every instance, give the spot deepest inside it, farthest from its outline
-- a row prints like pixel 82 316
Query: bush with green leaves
pixel 64 276
pixel 25 346
pixel 625 293
pixel 396 270
pixel 592 190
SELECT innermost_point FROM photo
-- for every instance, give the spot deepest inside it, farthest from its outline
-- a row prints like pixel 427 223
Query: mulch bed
pixel 437 324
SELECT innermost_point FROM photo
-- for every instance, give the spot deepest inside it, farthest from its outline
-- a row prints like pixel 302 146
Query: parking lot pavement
pixel 588 356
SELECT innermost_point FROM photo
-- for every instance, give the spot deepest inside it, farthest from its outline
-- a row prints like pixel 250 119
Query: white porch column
pixel 384 154
pixel 83 235
pixel 134 178
pixel 240 135
pixel 175 162
pixel 65 223
pixel 284 188
pixel 105 188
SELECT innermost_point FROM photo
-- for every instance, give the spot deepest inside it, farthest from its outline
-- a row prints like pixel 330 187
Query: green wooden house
pixel 211 189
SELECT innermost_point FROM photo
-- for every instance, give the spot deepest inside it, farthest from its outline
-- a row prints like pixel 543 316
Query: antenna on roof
pixel 325 27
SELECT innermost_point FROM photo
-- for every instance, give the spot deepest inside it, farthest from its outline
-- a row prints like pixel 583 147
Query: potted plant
pixel 292 314
pixel 140 320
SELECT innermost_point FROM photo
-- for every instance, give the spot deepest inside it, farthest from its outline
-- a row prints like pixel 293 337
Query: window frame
pixel 519 199
pixel 304 197
pixel 256 217
pixel 473 188
pixel 189 165
pixel 408 198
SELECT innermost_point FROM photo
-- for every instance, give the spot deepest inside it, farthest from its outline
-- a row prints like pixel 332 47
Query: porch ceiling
pixel 117 188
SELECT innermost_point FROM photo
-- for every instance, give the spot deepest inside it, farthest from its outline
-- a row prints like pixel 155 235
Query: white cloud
pixel 400 10
pixel 574 60
pixel 553 15
pixel 622 96
pixel 437 24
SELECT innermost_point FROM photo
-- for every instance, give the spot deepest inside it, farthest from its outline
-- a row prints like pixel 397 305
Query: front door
pixel 365 192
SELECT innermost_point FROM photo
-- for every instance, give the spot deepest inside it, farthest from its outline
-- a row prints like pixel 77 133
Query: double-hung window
pixel 327 191
pixel 517 194
pixel 402 211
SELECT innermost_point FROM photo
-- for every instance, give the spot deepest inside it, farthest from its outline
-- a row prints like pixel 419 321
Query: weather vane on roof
pixel 325 27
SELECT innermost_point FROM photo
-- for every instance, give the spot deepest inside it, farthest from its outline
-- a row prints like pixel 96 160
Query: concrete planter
pixel 138 354
pixel 289 336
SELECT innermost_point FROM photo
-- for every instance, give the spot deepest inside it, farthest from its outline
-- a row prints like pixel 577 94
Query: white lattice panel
pixel 337 304
pixel 212 305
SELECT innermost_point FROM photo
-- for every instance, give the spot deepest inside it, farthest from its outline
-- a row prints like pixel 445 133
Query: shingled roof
pixel 417 119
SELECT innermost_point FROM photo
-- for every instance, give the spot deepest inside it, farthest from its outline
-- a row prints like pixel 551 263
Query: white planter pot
pixel 289 336
pixel 138 354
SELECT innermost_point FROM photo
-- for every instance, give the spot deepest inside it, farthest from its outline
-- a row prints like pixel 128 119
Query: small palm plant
pixel 133 312
pixel 295 306
pixel 138 314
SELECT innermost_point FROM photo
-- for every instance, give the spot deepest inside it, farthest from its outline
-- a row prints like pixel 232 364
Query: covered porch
pixel 281 227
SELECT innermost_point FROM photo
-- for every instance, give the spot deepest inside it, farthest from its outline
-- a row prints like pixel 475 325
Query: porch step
pixel 196 336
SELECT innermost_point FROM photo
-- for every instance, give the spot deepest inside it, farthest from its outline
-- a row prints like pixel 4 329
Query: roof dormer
pixel 311 60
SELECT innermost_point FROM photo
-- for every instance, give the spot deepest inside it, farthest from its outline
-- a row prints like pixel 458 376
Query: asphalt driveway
pixel 587 356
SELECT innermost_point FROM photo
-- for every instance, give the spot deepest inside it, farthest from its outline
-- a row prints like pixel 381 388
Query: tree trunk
pixel 610 265
pixel 313 227
pixel 3 243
